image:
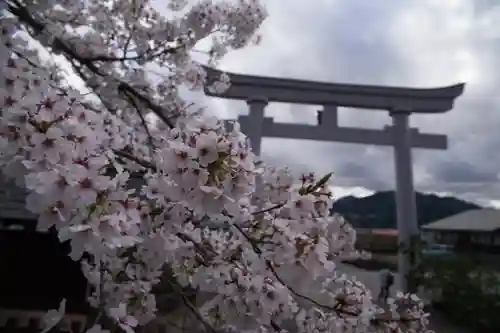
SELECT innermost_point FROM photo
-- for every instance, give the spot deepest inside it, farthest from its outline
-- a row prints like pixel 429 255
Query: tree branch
pixel 338 308
pixel 192 308
pixel 24 15
pixel 141 162
pixel 165 51
pixel 143 121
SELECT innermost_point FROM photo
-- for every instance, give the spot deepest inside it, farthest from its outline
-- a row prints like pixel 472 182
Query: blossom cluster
pixel 197 220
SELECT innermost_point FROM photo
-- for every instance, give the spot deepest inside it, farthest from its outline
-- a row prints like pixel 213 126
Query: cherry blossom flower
pixel 51 144
pixel 206 148
pixel 126 322
pixel 182 196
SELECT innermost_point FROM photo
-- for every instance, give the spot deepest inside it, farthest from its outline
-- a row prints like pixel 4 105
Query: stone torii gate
pixel 258 91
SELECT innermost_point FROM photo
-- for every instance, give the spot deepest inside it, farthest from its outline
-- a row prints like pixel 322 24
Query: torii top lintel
pixel 415 100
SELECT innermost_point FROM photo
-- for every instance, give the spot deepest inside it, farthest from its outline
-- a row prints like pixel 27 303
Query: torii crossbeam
pixel 258 91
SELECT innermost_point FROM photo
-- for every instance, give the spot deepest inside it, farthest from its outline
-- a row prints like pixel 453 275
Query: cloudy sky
pixel 413 43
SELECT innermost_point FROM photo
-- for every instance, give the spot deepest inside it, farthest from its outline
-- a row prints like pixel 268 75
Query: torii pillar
pixel 399 102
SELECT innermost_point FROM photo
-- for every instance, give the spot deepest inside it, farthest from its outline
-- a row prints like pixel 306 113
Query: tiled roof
pixel 14 215
pixel 12 201
pixel 472 220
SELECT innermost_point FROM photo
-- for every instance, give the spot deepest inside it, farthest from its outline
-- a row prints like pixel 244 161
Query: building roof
pixel 13 201
pixel 387 231
pixel 14 215
pixel 472 220
pixel 377 231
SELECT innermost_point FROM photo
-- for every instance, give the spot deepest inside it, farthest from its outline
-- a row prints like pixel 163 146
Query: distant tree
pixel 379 210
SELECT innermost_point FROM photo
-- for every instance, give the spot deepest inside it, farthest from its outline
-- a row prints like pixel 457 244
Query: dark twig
pixel 143 121
pixel 141 162
pixel 192 308
pixel 338 308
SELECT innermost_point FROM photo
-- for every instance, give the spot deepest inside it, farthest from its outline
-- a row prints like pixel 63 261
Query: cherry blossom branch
pixel 192 308
pixel 204 170
pixel 98 313
pixel 198 316
pixel 270 266
pixel 198 247
pixel 165 51
pixel 143 121
pixel 141 162
pixel 274 207
pixel 338 308
pixel 23 14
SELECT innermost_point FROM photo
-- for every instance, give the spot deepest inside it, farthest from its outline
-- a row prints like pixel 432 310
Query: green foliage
pixel 414 250
pixel 468 293
pixel 311 188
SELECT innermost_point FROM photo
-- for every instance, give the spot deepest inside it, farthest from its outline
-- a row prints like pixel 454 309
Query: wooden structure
pixel 36 270
pixel 37 273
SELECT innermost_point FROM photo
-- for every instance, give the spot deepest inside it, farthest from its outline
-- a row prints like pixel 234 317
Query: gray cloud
pixel 462 172
pixel 420 43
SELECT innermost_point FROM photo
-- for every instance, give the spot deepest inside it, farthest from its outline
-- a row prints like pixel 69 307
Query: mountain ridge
pixel 379 209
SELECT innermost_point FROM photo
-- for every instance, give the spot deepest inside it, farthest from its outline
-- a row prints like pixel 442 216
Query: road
pixel 370 279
